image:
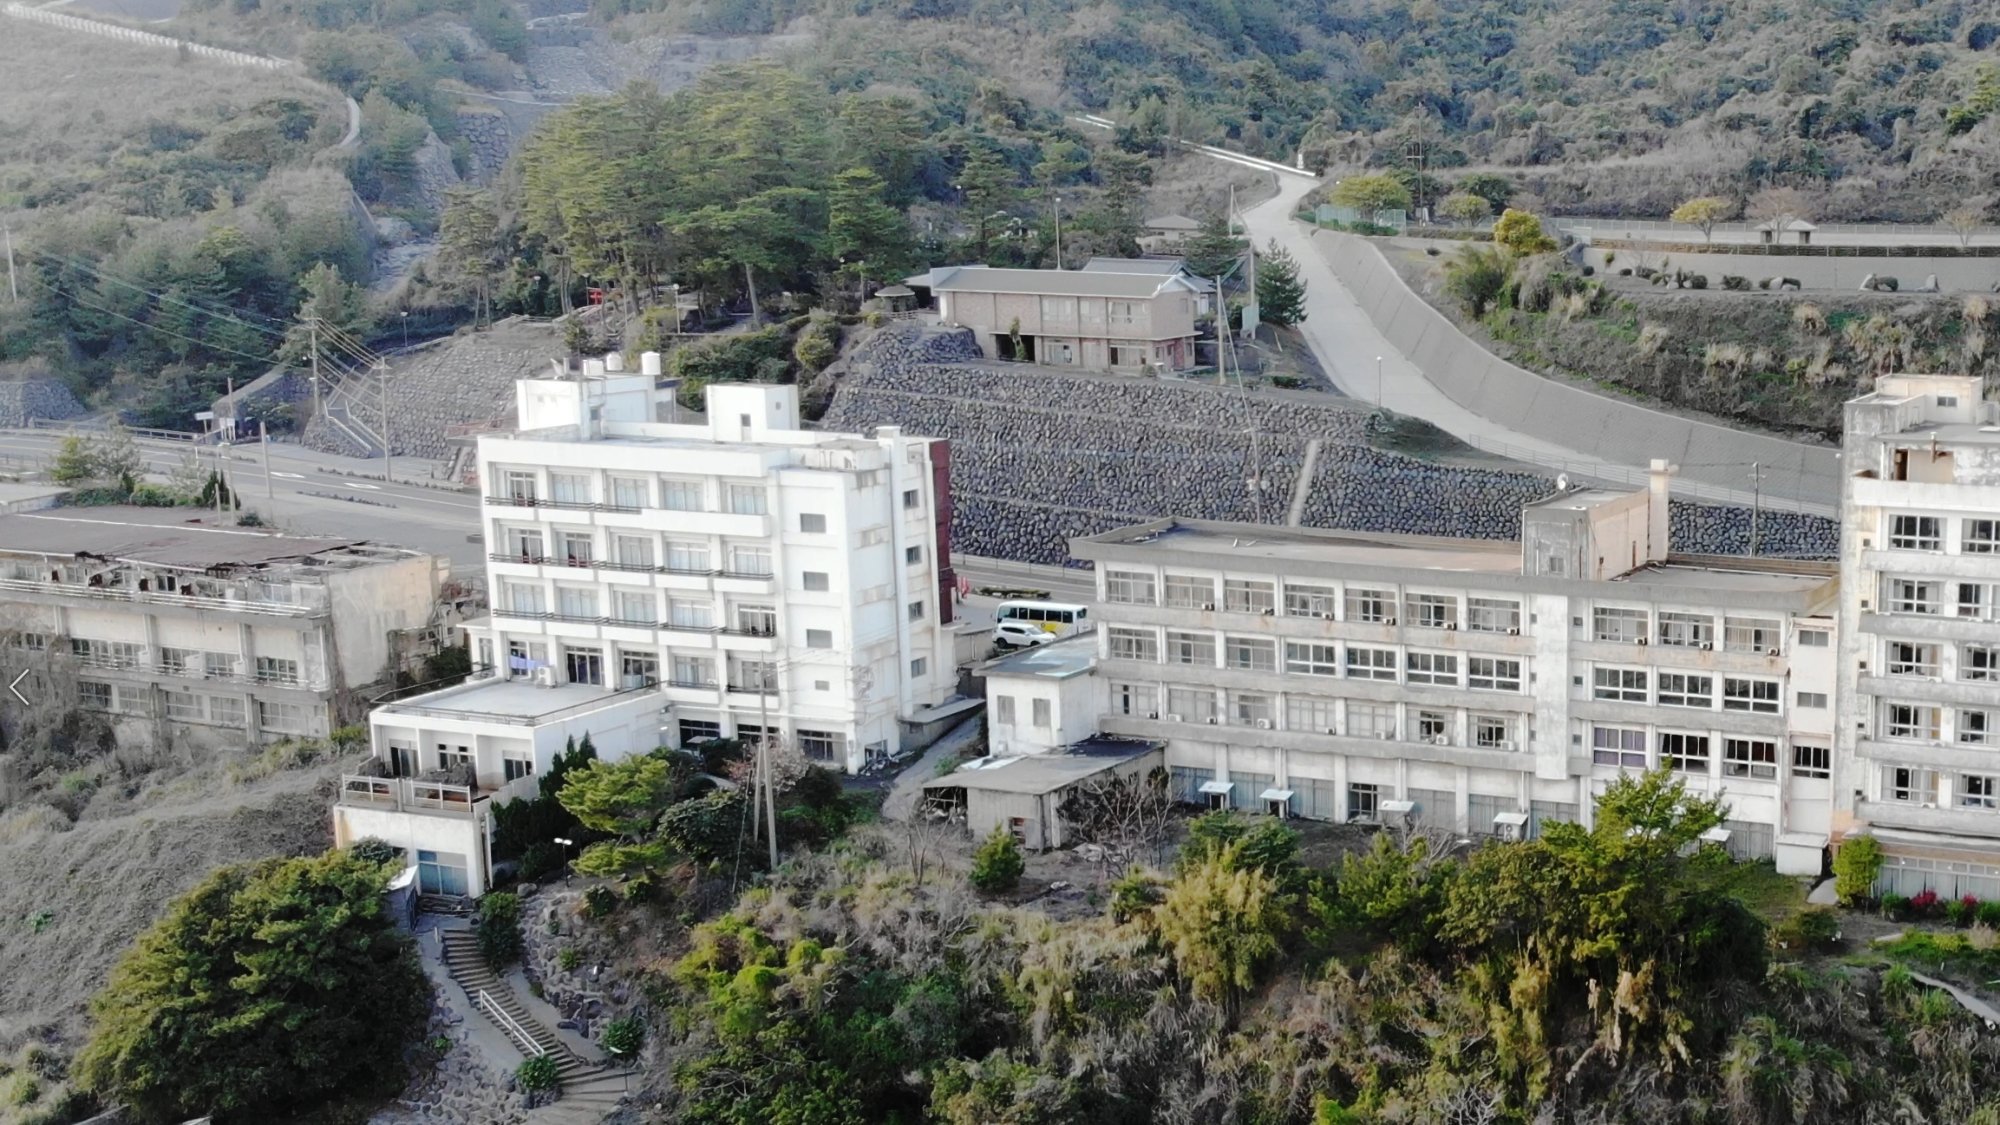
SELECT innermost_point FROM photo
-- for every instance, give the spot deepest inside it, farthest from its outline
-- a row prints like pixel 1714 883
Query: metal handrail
pixel 509 1024
pixel 282 609
pixel 564 505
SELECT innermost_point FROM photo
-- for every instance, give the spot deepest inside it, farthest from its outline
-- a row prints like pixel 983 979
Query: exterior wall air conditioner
pixel 1263 724
pixel 1173 718
pixel 545 677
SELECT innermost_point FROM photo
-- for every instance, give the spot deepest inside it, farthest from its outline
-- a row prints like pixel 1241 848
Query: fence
pixel 1348 216
pixel 1905 230
pixel 145 38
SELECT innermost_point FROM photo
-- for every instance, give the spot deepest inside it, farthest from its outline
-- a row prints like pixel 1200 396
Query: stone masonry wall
pixel 26 399
pixel 1040 455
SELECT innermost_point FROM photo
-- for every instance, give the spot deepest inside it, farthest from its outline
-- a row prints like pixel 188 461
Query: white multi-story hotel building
pixel 658 584
pixel 1471 684
pixel 1919 730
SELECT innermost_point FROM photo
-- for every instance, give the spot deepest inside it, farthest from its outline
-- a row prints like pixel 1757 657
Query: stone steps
pixel 469 970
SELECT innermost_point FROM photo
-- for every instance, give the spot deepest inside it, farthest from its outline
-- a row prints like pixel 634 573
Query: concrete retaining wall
pixel 25 400
pixel 1575 418
pixel 1840 271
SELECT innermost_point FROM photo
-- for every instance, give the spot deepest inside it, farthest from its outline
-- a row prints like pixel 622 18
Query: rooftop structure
pixel 1100 320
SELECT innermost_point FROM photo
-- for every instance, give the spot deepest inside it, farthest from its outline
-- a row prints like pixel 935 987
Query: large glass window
pixel 1749 757
pixel 1907 658
pixel 1252 654
pixel 1752 634
pixel 1812 761
pixel 1373 606
pixel 1126 587
pixel 1909 720
pixel 1193 705
pixel 1684 753
pixel 1493 732
pixel 1133 644
pixel 583 665
pixel 1142 700
pixel 1311 713
pixel 1431 668
pixel 1488 673
pixel 1312 659
pixel 1370 720
pixel 1191 648
pixel 1979 537
pixel 1688 630
pixel 1431 611
pixel 569 488
pixel 682 495
pixel 576 601
pixel 630 492
pixel 1624 684
pixel 1685 689
pixel 1978 662
pixel 1624 747
pixel 1188 592
pixel 1243 595
pixel 1916 533
pixel 1742 694
pixel 1907 595
pixel 1371 663
pixel 1492 615
pixel 744 499
pixel 1310 601
pixel 687 558
pixel 1618 625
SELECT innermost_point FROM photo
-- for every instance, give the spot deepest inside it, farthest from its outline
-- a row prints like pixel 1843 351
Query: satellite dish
pixel 1562 482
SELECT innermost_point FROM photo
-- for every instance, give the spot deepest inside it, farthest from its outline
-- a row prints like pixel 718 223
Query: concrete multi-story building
pixel 1919 694
pixel 661 584
pixel 187 630
pixel 1104 321
pixel 1470 684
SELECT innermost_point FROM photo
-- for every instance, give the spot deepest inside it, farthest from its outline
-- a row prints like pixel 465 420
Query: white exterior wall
pixel 879 558
pixel 1546 755
pixel 1071 702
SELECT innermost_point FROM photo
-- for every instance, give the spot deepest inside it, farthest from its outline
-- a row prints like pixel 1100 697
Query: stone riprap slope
pixel 24 400
pixel 468 378
pixel 1039 456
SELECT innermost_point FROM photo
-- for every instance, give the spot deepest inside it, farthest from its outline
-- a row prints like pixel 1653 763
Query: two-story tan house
pixel 1070 318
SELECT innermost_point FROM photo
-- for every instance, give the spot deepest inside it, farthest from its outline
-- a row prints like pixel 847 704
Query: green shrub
pixel 1895 907
pixel 1815 930
pixel 1961 911
pixel 373 849
pixel 155 496
pixel 569 958
pixel 997 866
pixel 1988 914
pixel 1855 868
pixel 537 1074
pixel 599 901
pixel 500 928
pixel 623 1037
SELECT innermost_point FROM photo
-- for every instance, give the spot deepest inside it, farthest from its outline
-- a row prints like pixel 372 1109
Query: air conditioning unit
pixel 545 677
pixel 1773 652
pixel 1173 718
pixel 1707 647
pixel 1156 714
pixel 1506 744
pixel 1388 735
pixel 1451 626
pixel 1330 730
pixel 1263 724
pixel 1642 640
pixel 1210 606
pixel 1211 720
pixel 1268 612
pixel 1327 616
pixel 1513 632
pixel 1388 621
pixel 1441 740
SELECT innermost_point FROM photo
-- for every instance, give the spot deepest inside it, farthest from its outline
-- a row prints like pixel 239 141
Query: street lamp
pixel 406 329
pixel 1378 382
pixel 567 844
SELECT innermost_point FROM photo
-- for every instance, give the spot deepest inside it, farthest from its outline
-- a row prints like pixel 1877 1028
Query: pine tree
pixel 1281 295
pixel 1214 250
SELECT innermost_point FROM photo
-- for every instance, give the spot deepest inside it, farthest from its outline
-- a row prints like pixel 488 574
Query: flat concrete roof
pixel 1060 283
pixel 1258 541
pixel 1579 499
pixel 514 699
pixel 168 537
pixel 1036 774
pixel 1952 433
pixel 1055 661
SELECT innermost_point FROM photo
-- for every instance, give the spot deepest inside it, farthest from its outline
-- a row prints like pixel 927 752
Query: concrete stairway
pixel 583 1082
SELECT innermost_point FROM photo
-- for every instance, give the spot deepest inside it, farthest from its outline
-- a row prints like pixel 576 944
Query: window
pixel 180 661
pixel 1142 700
pixel 1978 662
pixel 226 711
pixel 284 718
pixel 1911 785
pixel 1812 761
pixel 1905 658
pixel 1251 654
pixel 520 485
pixel 1915 533
pixel 629 492
pixel 1486 673
pixel 812 523
pixel 682 495
pixel 633 607
pixel 526 599
pixel 1003 707
pixel 816 581
pixel 1624 747
pixel 687 558
pixel 576 601
pixel 1685 753
pixel 1371 663
pixel 1241 595
pixel 1907 595
pixel 1040 711
pixel 1760 696
pixel 638 669
pixel 1251 709
pixel 1749 757
pixel 1431 668
pixel 1813 638
pixel 1978 728
pixel 274 670
pixel 1751 634
pixel 93 696
pixel 753 562
pixel 913 556
pixel 184 706
pixel 693 671
pixel 1810 700
pixel 752 675
pixel 1363 801
pixel 1684 689
pixel 583 665
pixel 1190 648
pixel 1492 615
pixel 916 611
pixel 1310 713
pixel 1133 644
pixel 516 768
pixel 1618 626
pixel 1493 732
pixel 1378 606
pixel 1432 611
pixel 1979 537
pixel 1625 684
pixel 1908 720
pixel 1312 659
pixel 682 614
pixel 699 730
pixel 1310 601
pixel 569 488
pixel 1185 592
pixel 1687 630
pixel 1125 587
pixel 823 745
pixel 819 638
pixel 744 499
pixel 576 548
pixel 1978 791
pixel 1433 727
pixel 1978 600
pixel 1193 705
pixel 757 620
pixel 635 551
pixel 1370 720
pixel 919 666
pixel 912 499
pixel 525 544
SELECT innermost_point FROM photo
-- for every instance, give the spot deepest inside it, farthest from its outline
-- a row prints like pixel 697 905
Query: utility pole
pixel 313 327
pixel 1058 200
pixel 13 286
pixel 235 504
pixel 1756 505
pixel 764 779
pixel 264 439
pixel 388 456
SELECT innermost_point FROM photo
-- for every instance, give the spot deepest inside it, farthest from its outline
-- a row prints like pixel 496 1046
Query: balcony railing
pixel 564 505
pixel 695 685
pixel 753 689
pixel 403 794
pixel 147 597
pixel 445 712
pixel 629 568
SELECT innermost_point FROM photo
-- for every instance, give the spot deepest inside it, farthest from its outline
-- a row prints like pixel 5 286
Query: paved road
pixel 299 495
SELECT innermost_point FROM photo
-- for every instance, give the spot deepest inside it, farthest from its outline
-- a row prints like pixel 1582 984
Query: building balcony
pixel 1960 820
pixel 23 589
pixel 430 798
pixel 1188 728
pixel 517 502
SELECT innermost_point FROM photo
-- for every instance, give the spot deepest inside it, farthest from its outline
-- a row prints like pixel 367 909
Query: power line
pixel 206 310
pixel 265 359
